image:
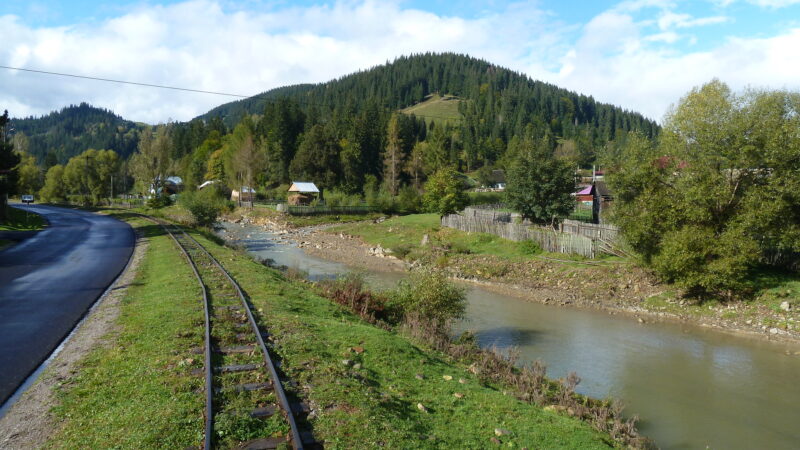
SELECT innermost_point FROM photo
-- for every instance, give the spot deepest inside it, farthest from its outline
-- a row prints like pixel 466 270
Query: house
pixel 245 194
pixel 171 185
pixel 585 196
pixel 302 193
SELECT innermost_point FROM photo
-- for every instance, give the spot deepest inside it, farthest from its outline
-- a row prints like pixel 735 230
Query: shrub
pixel 351 291
pixel 401 250
pixel 428 294
pixel 530 247
pixel 205 206
pixel 158 201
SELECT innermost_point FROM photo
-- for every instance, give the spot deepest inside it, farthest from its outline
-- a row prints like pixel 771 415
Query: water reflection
pixel 692 387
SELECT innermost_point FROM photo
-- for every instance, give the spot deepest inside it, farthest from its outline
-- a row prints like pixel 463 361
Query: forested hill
pixel 498 103
pixel 69 132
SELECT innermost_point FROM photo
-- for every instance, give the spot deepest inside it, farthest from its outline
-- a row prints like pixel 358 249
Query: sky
pixel 643 55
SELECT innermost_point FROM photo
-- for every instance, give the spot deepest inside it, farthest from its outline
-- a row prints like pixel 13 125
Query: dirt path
pixel 29 423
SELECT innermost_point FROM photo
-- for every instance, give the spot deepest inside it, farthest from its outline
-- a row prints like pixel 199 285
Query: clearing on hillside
pixel 436 108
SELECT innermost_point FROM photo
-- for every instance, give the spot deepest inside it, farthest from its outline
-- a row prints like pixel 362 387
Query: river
pixel 692 387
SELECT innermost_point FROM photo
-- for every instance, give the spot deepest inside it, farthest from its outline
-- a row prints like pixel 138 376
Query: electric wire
pixel 176 88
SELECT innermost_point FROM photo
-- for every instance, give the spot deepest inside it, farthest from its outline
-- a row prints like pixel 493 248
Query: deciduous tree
pixel 540 186
pixel 718 192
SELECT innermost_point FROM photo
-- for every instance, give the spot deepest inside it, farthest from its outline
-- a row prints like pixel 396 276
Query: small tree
pixel 205 205
pixel 54 189
pixel 540 186
pixel 444 193
pixel 429 295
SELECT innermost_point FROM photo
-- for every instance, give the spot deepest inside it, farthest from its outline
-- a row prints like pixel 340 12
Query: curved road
pixel 49 281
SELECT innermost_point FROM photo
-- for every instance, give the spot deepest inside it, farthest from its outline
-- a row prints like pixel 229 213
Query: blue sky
pixel 640 54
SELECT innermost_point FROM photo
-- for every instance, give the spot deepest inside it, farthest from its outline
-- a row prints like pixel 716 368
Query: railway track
pixel 244 392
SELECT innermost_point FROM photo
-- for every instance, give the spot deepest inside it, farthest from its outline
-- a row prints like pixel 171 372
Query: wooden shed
pixel 302 193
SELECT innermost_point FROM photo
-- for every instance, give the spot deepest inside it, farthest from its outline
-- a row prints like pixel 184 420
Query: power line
pixel 200 91
pixel 85 77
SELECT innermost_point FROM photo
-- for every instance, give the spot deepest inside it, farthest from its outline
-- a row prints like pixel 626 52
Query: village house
pixel 302 193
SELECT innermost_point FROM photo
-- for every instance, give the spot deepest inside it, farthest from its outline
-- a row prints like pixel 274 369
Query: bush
pixel 205 206
pixel 401 250
pixel 409 201
pixel 159 201
pixel 530 247
pixel 429 295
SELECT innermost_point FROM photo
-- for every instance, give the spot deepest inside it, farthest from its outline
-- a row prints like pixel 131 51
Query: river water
pixel 691 387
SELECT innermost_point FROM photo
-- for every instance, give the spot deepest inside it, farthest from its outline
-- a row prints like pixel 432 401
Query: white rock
pixel 773 331
pixel 786 306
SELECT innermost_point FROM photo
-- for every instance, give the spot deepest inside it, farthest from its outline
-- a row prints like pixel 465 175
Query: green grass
pixel 376 404
pixel 405 233
pixel 137 391
pixel 19 220
pixel 437 108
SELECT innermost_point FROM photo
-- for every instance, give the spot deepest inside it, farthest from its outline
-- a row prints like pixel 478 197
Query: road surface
pixel 49 281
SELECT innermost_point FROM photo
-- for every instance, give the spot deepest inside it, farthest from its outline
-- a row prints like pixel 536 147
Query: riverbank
pixel 613 285
pixel 135 388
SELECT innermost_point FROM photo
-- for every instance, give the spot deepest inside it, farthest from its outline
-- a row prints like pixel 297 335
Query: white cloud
pixel 200 45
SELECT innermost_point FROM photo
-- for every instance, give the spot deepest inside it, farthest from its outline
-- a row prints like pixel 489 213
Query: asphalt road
pixel 49 281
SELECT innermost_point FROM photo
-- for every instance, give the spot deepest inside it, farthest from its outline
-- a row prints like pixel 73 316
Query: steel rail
pixel 295 438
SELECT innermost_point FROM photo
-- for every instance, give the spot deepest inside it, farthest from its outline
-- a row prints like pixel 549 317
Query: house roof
pixel 585 191
pixel 174 180
pixel 303 187
pixel 207 183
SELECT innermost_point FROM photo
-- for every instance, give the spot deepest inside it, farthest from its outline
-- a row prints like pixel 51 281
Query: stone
pixel 462 381
pixel 501 432
pixel 419 376
pixel 786 306
pixel 458 395
pixel 447 377
pixel 495 441
pixel 358 349
pixel 773 331
pixel 422 407
pixel 425 240
pixel 357 366
pixel 347 362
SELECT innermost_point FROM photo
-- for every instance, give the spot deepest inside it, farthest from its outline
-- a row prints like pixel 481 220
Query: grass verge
pixel 136 391
pixel 21 220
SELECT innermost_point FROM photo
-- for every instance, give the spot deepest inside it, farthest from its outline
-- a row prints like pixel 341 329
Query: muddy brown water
pixel 692 387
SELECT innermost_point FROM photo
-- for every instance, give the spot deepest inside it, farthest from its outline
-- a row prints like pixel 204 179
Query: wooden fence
pixel 500 224
pixel 605 232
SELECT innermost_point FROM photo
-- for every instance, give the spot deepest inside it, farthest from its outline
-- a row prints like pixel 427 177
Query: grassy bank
pixel 611 282
pixel 20 220
pixel 137 391
pixel 364 383
pixel 363 380
pixel 404 236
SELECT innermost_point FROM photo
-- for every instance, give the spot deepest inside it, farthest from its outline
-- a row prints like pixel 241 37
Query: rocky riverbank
pixel 618 288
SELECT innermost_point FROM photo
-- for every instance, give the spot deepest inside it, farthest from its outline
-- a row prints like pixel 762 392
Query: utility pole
pixel 111 200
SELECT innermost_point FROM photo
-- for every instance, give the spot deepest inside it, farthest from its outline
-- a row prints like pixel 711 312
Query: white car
pixel 27 199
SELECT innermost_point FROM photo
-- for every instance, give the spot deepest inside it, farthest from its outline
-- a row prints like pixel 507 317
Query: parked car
pixel 27 199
